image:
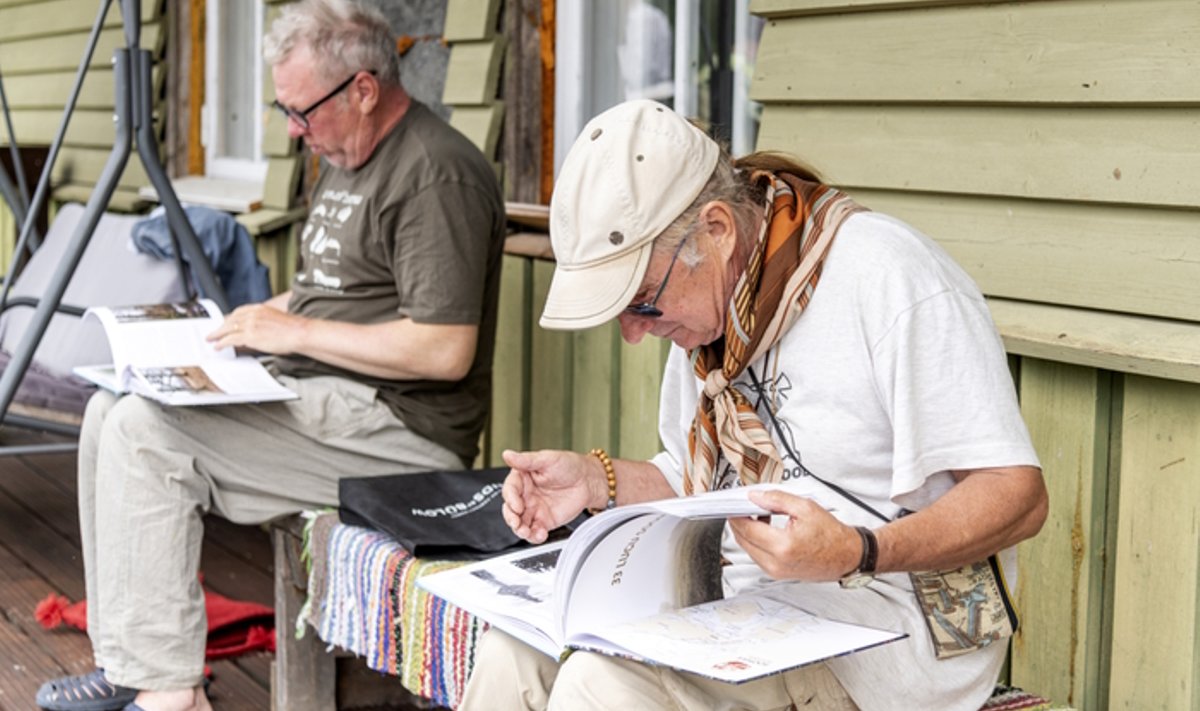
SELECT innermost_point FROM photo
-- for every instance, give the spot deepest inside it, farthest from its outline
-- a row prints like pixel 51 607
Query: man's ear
pixel 716 217
pixel 368 91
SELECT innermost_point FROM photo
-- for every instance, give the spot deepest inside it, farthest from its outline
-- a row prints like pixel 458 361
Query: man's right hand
pixel 546 489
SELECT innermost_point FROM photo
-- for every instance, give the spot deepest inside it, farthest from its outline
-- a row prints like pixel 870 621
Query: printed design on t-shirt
pixel 320 243
pixel 772 392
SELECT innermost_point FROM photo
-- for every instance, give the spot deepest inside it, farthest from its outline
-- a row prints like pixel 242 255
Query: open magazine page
pixel 644 566
pixel 106 376
pixel 715 504
pixel 735 640
pixel 214 383
pixel 161 335
pixel 511 592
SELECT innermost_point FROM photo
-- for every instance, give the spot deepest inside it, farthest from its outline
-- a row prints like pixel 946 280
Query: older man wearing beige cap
pixel 819 345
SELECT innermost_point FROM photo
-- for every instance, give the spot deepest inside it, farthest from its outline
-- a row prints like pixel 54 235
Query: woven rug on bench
pixel 1007 698
pixel 362 585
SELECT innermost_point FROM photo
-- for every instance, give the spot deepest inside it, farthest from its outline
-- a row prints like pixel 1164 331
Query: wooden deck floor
pixel 40 554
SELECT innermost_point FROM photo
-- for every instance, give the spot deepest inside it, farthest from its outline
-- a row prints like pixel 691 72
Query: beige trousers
pixel 509 674
pixel 148 474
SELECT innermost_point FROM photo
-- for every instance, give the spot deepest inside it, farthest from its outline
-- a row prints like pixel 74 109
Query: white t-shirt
pixel 893 376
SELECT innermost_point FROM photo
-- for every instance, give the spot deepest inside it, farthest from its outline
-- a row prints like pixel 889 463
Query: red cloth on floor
pixel 234 626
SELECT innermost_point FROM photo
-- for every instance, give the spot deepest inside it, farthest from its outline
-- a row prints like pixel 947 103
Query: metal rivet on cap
pixel 616 237
pixel 596 133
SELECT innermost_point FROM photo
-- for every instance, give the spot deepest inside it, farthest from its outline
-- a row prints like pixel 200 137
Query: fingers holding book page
pixel 813 545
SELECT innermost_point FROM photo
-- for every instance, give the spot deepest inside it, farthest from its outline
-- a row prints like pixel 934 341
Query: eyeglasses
pixel 650 309
pixel 300 116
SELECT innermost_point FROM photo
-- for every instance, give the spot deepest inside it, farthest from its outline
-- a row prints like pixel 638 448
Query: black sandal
pixel 87 692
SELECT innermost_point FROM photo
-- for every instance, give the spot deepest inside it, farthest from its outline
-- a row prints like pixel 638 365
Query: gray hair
pixel 345 36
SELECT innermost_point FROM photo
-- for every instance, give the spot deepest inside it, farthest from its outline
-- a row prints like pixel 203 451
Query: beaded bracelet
pixel 611 475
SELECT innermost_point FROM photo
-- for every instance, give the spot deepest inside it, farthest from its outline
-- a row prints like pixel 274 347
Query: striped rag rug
pixel 1010 698
pixel 363 598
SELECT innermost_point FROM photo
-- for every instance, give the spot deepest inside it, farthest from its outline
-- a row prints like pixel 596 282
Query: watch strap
pixel 870 554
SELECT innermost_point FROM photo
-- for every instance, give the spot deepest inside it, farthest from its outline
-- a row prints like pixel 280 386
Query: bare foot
pixel 182 700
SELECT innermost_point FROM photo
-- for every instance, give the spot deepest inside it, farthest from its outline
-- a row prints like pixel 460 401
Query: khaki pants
pixel 509 674
pixel 148 474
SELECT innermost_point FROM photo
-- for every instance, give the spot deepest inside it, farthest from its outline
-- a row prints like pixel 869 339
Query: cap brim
pixel 589 296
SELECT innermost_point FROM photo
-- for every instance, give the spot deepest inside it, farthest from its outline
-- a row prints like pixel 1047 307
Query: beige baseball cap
pixel 632 171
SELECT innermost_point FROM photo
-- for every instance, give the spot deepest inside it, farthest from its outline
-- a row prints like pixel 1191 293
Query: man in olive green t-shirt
pixel 387 336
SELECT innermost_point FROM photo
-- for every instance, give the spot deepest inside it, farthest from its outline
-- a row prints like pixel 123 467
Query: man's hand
pixel 260 327
pixel 812 546
pixel 546 489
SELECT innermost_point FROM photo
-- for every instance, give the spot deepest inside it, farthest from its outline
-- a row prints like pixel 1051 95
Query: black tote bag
pixel 435 514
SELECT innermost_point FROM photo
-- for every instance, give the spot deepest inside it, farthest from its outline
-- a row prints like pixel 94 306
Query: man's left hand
pixel 812 546
pixel 261 328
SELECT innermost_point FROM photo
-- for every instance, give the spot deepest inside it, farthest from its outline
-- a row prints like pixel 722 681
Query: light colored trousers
pixel 148 474
pixel 511 675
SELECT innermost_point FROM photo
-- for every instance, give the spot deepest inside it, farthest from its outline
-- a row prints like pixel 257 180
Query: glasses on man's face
pixel 649 309
pixel 300 116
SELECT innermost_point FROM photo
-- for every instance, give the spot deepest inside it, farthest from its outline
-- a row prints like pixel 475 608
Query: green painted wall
pixel 1053 148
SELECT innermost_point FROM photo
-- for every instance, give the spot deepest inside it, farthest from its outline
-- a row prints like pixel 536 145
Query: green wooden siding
pixel 41 45
pixel 1052 148
pixel 1155 601
pixel 1062 580
pixel 473 73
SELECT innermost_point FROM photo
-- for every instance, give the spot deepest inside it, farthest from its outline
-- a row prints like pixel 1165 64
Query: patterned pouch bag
pixel 967 608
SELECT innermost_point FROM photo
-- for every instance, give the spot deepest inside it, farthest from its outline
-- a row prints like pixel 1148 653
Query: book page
pixel 512 592
pixel 214 383
pixel 736 640
pixel 245 376
pixel 104 376
pixel 161 335
pixel 655 552
pixel 647 565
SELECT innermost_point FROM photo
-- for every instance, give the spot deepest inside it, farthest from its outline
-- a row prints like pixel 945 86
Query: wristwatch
pixel 865 572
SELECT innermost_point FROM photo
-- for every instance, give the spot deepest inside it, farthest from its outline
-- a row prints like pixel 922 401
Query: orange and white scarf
pixel 799 225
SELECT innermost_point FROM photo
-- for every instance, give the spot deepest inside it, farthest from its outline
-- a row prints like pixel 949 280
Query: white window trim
pixel 742 132
pixel 229 168
pixel 687 18
pixel 573 43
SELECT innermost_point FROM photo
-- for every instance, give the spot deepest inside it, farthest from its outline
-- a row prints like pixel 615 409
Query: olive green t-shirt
pixel 416 232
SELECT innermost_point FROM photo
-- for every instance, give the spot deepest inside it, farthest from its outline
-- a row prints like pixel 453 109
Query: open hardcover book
pixel 644 582
pixel 160 352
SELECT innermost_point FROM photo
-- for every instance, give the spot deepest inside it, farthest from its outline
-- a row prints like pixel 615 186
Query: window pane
pixel 645 53
pixel 632 45
pixel 237 103
pixel 696 56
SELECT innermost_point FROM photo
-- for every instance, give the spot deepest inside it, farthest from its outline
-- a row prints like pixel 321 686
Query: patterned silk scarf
pixel 799 225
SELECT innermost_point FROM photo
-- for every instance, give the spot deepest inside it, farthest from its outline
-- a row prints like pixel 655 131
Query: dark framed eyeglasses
pixel 649 309
pixel 300 116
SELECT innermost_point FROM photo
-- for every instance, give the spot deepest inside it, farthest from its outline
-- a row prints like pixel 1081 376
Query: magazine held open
pixel 643 582
pixel 160 352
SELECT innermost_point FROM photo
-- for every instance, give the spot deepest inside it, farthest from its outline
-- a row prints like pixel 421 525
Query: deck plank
pixel 40 554
pixel 31 654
